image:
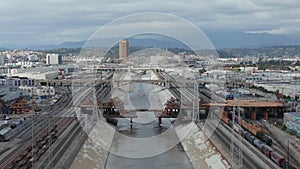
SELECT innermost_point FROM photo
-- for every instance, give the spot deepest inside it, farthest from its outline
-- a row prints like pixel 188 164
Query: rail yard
pixel 42 139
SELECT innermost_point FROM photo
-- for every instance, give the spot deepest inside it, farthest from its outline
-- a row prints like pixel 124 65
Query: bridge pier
pixel 131 123
pixel 201 85
pixel 167 84
pixel 159 121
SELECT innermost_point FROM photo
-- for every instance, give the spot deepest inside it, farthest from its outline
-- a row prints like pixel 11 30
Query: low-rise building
pixel 292 122
pixel 41 92
pixel 15 82
pixel 2 81
pixel 12 83
pixel 38 75
pixel 33 57
pixel 8 96
pixel 26 64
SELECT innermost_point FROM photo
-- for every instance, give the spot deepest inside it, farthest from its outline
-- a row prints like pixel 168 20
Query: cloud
pixel 278 31
pixel 56 21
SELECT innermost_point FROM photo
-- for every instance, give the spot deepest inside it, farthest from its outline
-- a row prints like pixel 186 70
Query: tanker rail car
pixel 257 130
pixel 263 147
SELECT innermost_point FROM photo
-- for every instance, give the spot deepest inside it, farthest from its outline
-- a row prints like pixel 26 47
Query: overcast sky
pixel 57 21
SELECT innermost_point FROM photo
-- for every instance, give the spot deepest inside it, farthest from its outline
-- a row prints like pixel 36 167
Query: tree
pixel 201 71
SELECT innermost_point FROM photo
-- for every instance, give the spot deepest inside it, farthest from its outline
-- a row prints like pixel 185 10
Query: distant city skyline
pixel 55 22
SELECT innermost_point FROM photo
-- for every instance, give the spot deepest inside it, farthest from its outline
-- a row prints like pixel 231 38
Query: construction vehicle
pixel 36 107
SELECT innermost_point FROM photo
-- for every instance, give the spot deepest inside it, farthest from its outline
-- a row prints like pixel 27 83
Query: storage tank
pixel 257 143
pixel 267 140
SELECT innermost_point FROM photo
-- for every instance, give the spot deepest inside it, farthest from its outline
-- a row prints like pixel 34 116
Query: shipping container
pixel 42 97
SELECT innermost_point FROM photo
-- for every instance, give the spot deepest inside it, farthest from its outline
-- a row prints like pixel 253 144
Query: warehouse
pixel 292 122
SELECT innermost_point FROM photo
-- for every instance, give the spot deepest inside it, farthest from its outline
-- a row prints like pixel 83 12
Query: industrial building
pixel 41 91
pixel 38 74
pixel 14 82
pixel 292 122
pixel 53 59
pixel 123 49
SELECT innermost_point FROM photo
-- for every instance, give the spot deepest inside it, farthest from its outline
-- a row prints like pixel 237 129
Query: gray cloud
pixel 56 21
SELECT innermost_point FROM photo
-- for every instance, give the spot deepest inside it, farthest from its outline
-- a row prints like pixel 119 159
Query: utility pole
pixel 235 148
pixel 195 113
pixel 288 157
pixel 34 104
pixel 49 125
pixel 95 103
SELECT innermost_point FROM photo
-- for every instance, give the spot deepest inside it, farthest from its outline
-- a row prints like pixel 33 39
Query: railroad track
pixel 178 91
pixel 40 127
pixel 48 160
pixel 247 160
pixel 207 95
pixel 24 154
pixel 61 147
pixel 21 147
pixel 40 119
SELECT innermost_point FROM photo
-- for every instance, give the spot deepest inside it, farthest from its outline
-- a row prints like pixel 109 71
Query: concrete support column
pixel 167 84
pixel 159 121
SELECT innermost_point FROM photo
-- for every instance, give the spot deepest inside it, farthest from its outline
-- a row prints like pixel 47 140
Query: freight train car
pixel 257 143
pixel 277 158
pixel 264 148
pixel 266 139
pixel 6 134
pixel 287 165
pixel 250 137
pixel 254 129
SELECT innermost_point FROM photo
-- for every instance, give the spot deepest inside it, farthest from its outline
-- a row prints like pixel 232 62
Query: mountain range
pixel 219 39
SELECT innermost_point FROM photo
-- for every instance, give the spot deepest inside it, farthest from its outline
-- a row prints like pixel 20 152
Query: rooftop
pixel 254 103
pixel 296 114
pixel 248 103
